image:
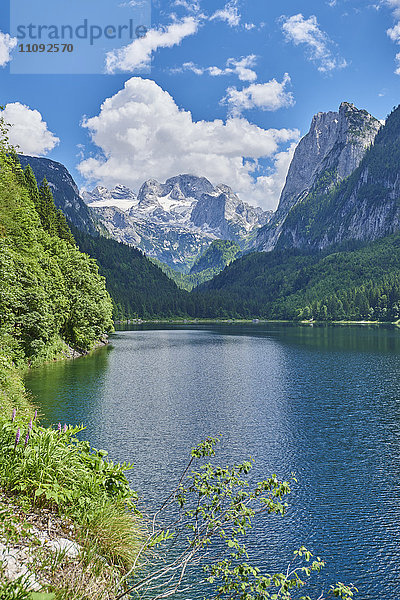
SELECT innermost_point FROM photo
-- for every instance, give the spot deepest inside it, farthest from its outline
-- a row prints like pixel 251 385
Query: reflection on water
pixel 323 402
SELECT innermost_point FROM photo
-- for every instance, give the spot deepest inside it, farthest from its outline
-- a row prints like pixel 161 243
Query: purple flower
pixel 30 425
pixel 27 438
pixel 35 417
pixel 17 438
pixel 65 428
pixel 14 412
pixel 59 428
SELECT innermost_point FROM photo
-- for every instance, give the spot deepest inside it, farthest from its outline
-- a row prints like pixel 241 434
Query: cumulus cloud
pixel 395 6
pixel 265 96
pixel 242 67
pixel 394 32
pixel 230 14
pixel 268 187
pixel 28 132
pixel 142 134
pixel 7 45
pixel 137 55
pixel 301 31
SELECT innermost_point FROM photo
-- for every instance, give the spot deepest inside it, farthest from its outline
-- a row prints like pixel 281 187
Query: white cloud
pixel 28 132
pixel 395 6
pixel 132 4
pixel 268 187
pixel 394 32
pixel 137 55
pixel 230 14
pixel 192 6
pixel 143 134
pixel 242 67
pixel 299 30
pixel 265 96
pixel 7 45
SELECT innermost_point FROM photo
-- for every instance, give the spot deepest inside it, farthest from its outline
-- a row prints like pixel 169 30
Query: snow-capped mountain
pixel 175 221
pixel 120 196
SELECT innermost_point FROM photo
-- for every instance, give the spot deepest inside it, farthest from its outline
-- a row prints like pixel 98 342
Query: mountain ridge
pixel 329 153
pixel 175 221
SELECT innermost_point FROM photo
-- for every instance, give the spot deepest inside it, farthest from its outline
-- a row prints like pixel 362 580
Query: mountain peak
pixel 335 145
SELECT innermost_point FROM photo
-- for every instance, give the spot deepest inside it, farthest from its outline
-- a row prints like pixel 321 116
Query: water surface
pixel 323 402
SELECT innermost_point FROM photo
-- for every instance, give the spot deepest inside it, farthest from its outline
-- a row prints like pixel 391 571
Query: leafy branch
pixel 203 522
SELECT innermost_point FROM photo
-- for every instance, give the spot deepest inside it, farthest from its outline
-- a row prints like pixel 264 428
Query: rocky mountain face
pixel 328 154
pixel 177 220
pixel 364 207
pixel 120 196
pixel 65 192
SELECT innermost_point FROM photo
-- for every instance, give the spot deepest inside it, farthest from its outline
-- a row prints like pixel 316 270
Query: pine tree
pixel 63 230
pixel 47 209
pixel 31 186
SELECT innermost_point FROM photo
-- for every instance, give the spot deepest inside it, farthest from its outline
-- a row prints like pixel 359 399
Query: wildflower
pixel 30 425
pixel 59 428
pixel 14 412
pixel 65 428
pixel 27 438
pixel 35 417
pixel 17 438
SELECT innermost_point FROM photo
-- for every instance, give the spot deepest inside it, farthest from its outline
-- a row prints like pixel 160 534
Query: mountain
pixel 216 257
pixel 327 155
pixel 336 253
pixel 176 221
pixel 64 190
pixel 120 196
pixel 363 207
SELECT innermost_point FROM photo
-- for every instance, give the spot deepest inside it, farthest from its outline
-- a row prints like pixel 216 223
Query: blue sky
pixel 229 89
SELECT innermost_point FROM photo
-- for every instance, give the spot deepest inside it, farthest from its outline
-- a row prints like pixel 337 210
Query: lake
pixel 322 402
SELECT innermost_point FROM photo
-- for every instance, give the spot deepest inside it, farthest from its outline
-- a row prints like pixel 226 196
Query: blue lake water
pixel 322 402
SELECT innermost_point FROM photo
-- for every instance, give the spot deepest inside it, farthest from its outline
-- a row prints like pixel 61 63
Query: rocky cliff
pixel 363 207
pixel 328 154
pixel 177 220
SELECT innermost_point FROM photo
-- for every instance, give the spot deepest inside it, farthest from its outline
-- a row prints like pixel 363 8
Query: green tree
pixel 47 210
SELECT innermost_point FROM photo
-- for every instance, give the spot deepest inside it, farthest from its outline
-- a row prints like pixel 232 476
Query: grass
pixel 45 469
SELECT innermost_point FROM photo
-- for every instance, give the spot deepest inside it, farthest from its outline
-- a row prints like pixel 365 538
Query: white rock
pixel 70 549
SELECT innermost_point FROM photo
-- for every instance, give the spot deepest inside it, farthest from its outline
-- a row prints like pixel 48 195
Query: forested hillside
pixel 218 255
pixel 51 294
pixel 358 284
pixel 137 286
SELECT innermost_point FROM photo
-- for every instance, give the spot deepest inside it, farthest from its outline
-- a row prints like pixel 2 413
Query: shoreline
pixel 205 321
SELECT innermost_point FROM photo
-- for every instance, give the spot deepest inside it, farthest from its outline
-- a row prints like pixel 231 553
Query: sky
pixel 216 88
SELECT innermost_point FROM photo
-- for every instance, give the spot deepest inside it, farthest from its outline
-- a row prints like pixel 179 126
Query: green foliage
pixel 14 590
pixel 49 291
pixel 218 255
pixel 216 506
pixel 137 286
pixel 51 218
pixel 54 469
pixel 358 284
